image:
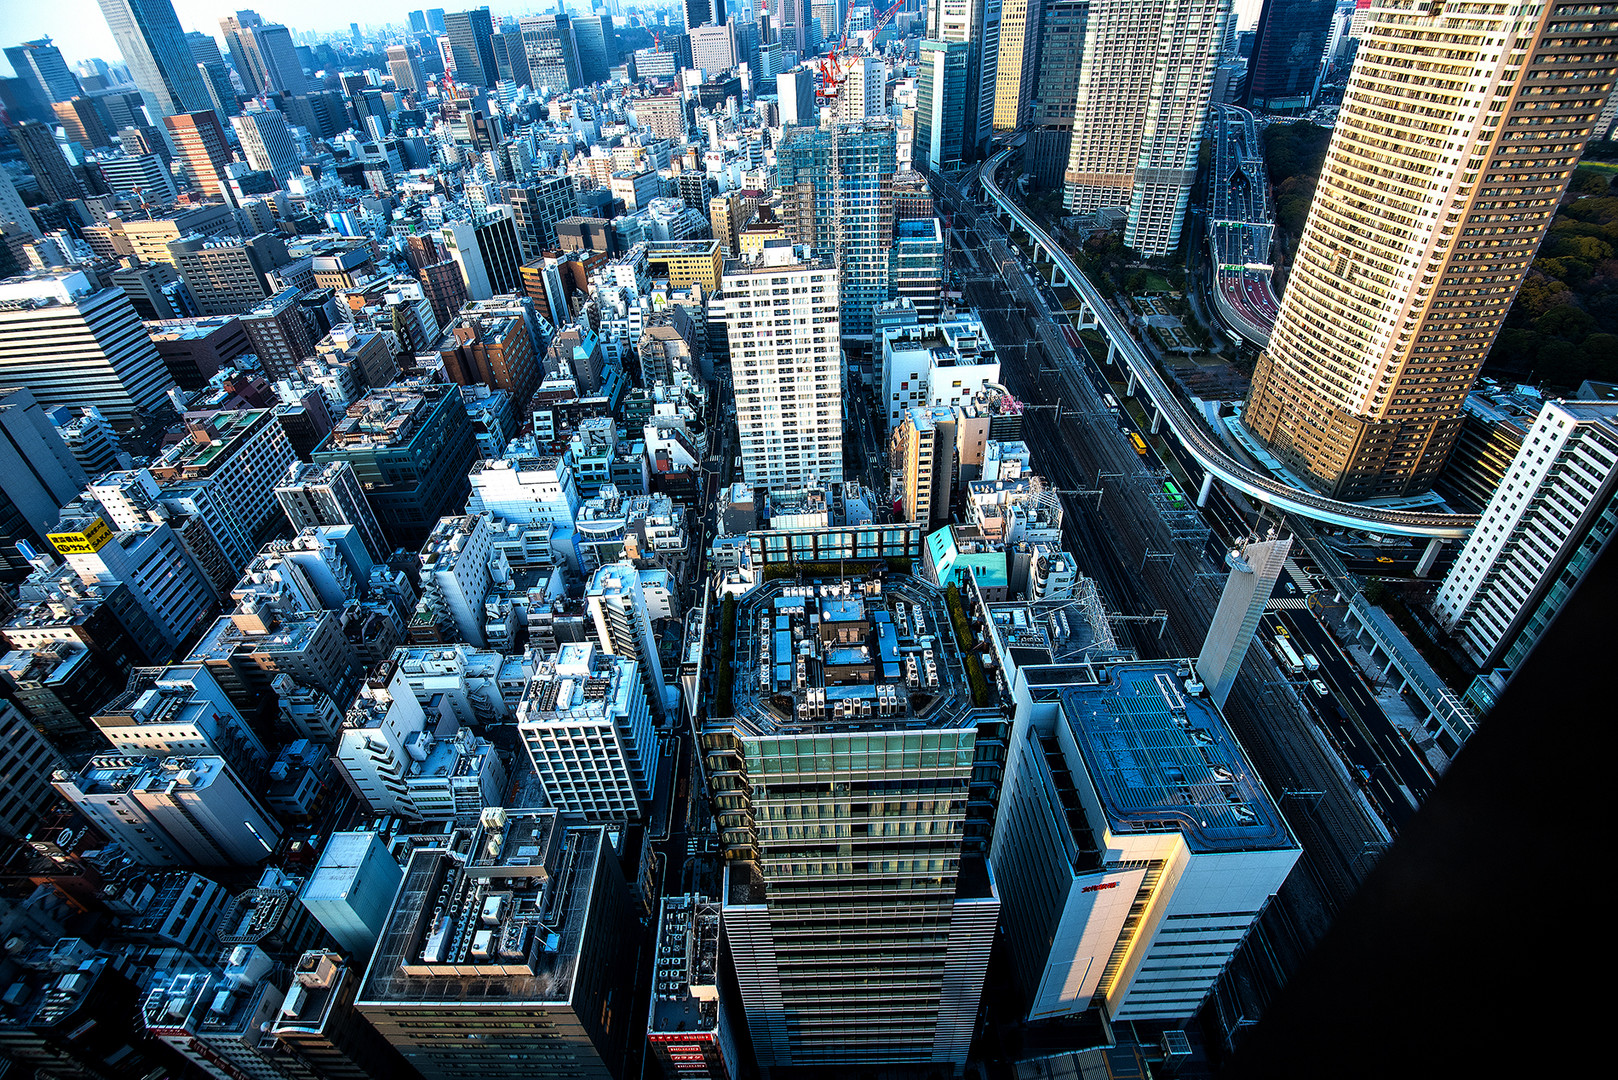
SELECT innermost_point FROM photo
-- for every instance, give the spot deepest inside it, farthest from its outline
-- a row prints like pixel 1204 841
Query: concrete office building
pixel 503 956
pixel 153 45
pixel 456 571
pixel 185 811
pixel 912 914
pixel 1146 78
pixel 317 1021
pixel 1388 314
pixel 623 612
pixel 73 344
pixel 27 762
pixel 411 446
pixel 1254 568
pixel 329 493
pixel 241 453
pixel 228 275
pixel 351 888
pixel 690 1028
pixel 200 143
pixel 279 333
pixel 923 454
pixel 1533 537
pixel 180 710
pixel 935 364
pixel 588 729
pixel 788 381
pixel 1134 846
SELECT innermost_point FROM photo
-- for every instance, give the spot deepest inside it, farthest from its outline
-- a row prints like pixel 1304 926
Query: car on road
pixel 1319 687
pixel 1383 559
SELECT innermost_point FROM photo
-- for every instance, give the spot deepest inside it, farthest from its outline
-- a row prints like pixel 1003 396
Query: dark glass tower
pixel 1287 51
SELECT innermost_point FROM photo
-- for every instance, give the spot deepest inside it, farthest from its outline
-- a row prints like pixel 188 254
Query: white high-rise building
pixel 525 487
pixel 622 606
pixel 864 90
pixel 1560 489
pixel 1145 81
pixel 267 141
pixel 588 730
pixel 73 344
pixel 1134 844
pixel 782 316
pixel 1455 141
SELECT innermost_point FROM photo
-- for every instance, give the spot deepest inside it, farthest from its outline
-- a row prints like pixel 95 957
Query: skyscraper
pixel 471 40
pixel 859 926
pixel 1056 93
pixel 1016 70
pixel 40 65
pixel 1427 215
pixel 788 381
pixel 267 141
pixel 280 58
pixel 46 161
pixel 553 56
pixel 153 45
pixel 795 91
pixel 1557 506
pixel 406 68
pixel 942 73
pixel 202 148
pixel 597 46
pixel 38 474
pixel 838 189
pixel 73 344
pixel 1145 81
pixel 244 50
pixel 1254 569
pixel 1287 52
pixel 977 23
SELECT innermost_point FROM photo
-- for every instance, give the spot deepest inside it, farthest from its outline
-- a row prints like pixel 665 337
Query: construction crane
pixel 833 70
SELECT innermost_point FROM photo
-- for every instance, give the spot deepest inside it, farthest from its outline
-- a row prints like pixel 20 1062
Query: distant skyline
pixel 80 30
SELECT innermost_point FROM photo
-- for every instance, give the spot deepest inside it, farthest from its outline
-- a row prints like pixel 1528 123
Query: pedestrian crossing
pixel 1299 578
pixel 1287 603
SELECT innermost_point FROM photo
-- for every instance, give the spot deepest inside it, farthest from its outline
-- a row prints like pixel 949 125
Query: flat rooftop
pixel 685 994
pixel 847 655
pixel 1162 759
pixel 497 919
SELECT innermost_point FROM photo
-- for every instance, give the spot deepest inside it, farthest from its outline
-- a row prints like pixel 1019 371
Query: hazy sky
pixel 80 30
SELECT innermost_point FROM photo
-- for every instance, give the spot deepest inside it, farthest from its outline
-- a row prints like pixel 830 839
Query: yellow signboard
pixel 92 539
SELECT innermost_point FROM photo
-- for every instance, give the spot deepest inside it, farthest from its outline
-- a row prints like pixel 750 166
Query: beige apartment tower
pixel 1457 137
pixel 1145 81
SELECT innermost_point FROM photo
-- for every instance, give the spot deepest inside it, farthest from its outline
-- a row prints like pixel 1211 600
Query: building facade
pixel 1409 261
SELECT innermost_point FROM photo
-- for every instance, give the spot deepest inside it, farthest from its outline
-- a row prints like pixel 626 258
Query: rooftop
pixel 686 992
pixel 497 919
pixel 838 655
pixel 1161 758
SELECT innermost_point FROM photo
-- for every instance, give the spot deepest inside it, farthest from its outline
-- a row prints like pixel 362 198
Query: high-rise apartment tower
pixel 1457 136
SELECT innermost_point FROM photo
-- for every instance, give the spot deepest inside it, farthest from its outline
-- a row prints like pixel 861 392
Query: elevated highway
pixel 1190 430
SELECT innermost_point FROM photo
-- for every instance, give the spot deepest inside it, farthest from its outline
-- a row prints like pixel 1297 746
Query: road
pixel 1125 540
